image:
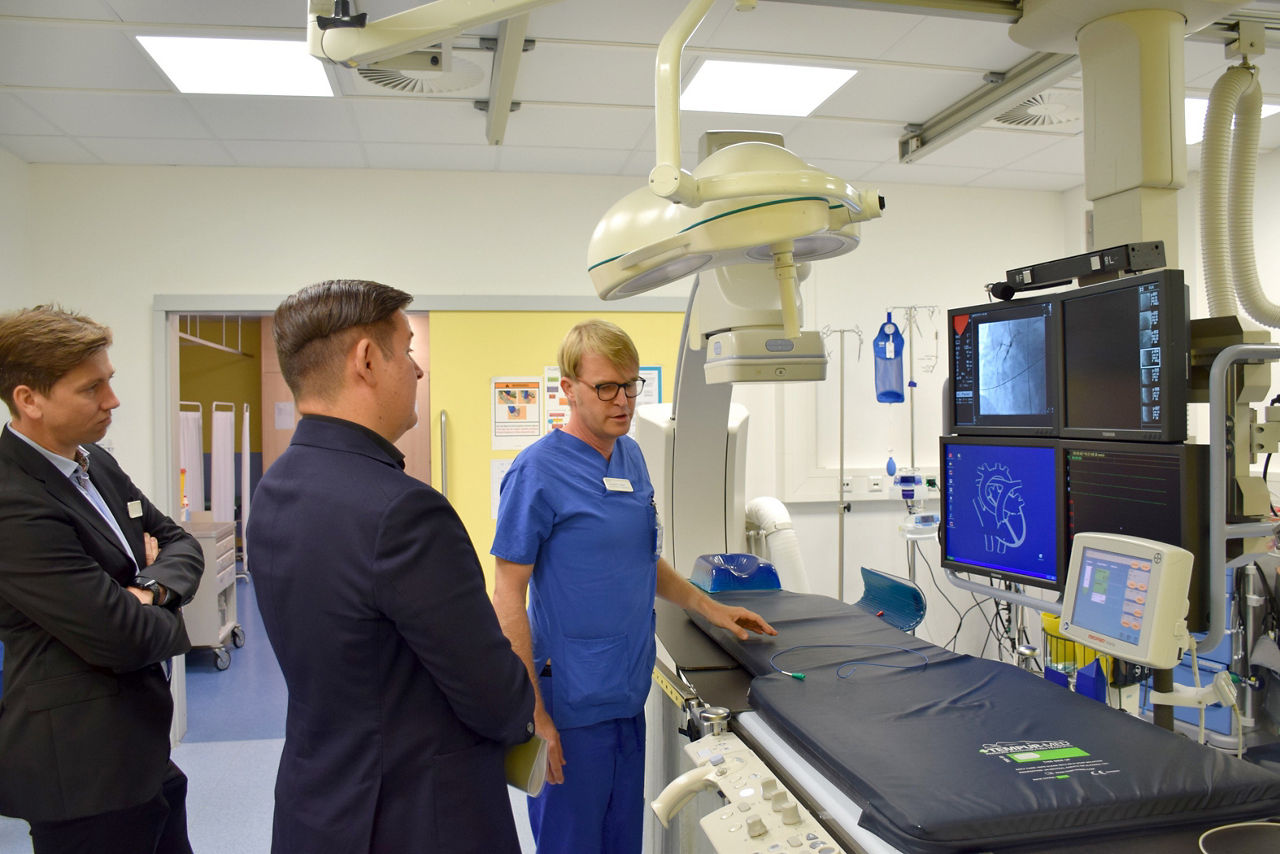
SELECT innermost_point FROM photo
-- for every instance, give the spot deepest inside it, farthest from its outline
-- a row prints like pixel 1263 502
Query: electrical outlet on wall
pixel 875 483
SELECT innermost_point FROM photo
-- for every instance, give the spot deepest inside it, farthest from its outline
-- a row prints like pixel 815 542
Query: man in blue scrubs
pixel 577 529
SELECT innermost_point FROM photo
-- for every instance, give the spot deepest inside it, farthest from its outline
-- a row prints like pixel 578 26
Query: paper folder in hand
pixel 527 765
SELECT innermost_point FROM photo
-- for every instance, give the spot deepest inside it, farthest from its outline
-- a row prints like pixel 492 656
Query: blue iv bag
pixel 888 352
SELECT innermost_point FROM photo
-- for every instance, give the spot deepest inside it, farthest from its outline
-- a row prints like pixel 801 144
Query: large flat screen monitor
pixel 1005 368
pixel 1142 489
pixel 1002 509
pixel 1125 359
pixel 1127 596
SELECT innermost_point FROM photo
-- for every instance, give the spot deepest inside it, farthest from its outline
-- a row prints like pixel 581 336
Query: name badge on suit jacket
pixel 135 509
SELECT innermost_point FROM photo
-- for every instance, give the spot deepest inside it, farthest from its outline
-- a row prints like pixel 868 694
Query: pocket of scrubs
pixel 593 671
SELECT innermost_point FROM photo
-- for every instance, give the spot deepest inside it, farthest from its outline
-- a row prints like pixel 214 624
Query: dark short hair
pixel 39 346
pixel 315 327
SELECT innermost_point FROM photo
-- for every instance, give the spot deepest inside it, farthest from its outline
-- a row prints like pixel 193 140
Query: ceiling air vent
pixel 1046 110
pixel 462 74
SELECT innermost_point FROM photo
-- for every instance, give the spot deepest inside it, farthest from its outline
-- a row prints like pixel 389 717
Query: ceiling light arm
pixel 667 179
pixel 403 32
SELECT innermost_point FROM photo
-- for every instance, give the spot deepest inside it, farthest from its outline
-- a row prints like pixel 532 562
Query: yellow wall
pixel 206 375
pixel 470 347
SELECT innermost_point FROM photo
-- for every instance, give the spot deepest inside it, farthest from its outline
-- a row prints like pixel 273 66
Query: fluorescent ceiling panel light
pixel 238 66
pixel 761 88
pixel 1197 108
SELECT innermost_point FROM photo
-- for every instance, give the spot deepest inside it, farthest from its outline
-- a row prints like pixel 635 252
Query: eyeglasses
pixel 609 391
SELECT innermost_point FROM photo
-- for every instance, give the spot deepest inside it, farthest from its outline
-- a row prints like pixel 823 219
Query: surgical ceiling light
pixel 751 202
pixel 205 66
pixel 761 88
pixel 1197 108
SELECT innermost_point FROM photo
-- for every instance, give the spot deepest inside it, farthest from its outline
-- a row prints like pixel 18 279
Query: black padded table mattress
pixel 950 753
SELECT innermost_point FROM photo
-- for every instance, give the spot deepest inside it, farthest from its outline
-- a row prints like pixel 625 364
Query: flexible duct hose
pixel 771 516
pixel 1226 215
pixel 1244 167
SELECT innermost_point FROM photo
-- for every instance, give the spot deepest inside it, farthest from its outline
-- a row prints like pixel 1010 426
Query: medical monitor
pixel 1002 509
pixel 1127 596
pixel 1005 368
pixel 1125 359
pixel 1142 489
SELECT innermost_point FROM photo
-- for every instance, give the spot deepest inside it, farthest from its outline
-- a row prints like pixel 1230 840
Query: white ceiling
pixel 76 87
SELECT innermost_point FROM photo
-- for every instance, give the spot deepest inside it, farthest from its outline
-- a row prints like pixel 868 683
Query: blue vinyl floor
pixel 235 730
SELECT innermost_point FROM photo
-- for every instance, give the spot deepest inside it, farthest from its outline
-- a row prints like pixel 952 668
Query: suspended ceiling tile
pixel 257 117
pixel 577 161
pixel 612 20
pixel 586 74
pixel 845 140
pixel 902 93
pixel 1011 179
pixel 17 117
pixel 48 149
pixel 960 43
pixel 166 152
pixel 793 28
pixel 339 155
pixel 543 126
pixel 1066 156
pixel 413 120
pixel 223 13
pixel 90 10
pixel 921 173
pixel 434 157
pixel 109 114
pixel 990 149
pixel 694 124
pixel 75 57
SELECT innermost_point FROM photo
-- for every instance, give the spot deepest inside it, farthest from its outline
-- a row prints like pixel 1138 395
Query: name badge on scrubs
pixel 617 484
pixel 135 509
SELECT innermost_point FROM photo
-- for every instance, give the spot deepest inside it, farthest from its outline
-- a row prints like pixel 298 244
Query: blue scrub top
pixel 594 571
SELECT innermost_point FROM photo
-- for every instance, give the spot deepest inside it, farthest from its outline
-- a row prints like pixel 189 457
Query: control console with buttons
pixel 761 816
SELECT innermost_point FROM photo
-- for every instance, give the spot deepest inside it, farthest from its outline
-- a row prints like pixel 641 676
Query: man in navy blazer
pixel 403 690
pixel 91 577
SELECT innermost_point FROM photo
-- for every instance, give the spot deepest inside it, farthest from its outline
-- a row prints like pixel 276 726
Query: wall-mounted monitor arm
pixel 396 35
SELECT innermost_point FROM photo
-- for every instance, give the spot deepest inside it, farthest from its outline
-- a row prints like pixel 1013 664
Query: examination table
pixel 944 752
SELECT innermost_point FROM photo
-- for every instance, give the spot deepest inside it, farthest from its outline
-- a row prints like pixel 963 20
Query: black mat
pixel 964 754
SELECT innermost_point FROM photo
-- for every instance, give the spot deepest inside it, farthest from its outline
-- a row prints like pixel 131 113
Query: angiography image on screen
pixel 1011 367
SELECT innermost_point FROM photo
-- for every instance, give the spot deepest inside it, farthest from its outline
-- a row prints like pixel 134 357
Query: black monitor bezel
pixel 1193 461
pixel 1175 327
pixel 1059 581
pixel 1007 425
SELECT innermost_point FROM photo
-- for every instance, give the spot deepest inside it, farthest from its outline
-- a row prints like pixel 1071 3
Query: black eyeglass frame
pixel 625 388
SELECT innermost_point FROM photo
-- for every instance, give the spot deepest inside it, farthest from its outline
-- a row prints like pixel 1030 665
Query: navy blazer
pixel 84 717
pixel 403 690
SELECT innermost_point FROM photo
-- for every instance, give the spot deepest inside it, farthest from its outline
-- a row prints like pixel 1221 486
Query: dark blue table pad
pixel 931 752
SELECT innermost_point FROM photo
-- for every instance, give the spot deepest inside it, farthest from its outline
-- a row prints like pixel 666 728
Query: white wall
pixel 106 240
pixel 15 267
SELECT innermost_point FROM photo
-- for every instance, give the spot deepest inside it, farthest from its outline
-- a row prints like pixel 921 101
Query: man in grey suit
pixel 91 577
pixel 403 691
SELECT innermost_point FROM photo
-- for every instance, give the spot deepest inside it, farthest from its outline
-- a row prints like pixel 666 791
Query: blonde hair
pixel 600 337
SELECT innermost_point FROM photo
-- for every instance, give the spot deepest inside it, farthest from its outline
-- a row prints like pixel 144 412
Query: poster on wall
pixel 557 408
pixel 652 392
pixel 517 412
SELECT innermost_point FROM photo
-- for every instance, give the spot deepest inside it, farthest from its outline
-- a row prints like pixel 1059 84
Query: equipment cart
pixel 211 615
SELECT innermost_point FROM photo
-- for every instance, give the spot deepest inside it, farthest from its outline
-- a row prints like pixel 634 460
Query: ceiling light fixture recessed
pixel 1198 108
pixel 761 88
pixel 204 66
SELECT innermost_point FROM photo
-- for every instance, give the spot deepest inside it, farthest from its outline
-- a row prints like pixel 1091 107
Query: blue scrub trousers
pixel 599 808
